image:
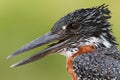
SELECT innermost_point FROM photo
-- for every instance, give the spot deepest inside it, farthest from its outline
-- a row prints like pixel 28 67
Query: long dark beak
pixel 49 37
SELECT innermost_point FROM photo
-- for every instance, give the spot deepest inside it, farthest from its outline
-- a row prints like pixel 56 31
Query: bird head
pixel 78 28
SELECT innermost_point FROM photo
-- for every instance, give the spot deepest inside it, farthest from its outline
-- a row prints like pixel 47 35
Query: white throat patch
pixel 69 52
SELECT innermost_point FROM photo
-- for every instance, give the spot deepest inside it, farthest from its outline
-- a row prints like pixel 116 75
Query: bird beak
pixel 49 37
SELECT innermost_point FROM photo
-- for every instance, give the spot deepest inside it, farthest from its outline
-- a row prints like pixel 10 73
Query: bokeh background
pixel 24 20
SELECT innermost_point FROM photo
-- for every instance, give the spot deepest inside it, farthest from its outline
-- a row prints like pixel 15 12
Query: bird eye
pixel 73 26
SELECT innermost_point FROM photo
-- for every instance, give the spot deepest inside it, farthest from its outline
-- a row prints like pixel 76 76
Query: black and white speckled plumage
pixel 99 65
pixel 104 64
pixel 79 28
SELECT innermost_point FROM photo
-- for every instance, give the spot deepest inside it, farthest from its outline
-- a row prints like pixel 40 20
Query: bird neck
pixel 98 42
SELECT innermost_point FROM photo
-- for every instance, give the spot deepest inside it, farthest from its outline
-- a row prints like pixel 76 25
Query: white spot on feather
pixel 64 27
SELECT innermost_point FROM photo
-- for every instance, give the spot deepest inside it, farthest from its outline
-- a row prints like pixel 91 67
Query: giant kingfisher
pixel 85 37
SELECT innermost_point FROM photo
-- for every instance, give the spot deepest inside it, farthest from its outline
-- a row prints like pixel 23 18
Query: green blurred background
pixel 23 20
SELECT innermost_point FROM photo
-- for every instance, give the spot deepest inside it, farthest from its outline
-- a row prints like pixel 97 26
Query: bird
pixel 85 37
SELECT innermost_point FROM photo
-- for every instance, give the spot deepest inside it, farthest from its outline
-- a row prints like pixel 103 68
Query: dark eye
pixel 73 26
